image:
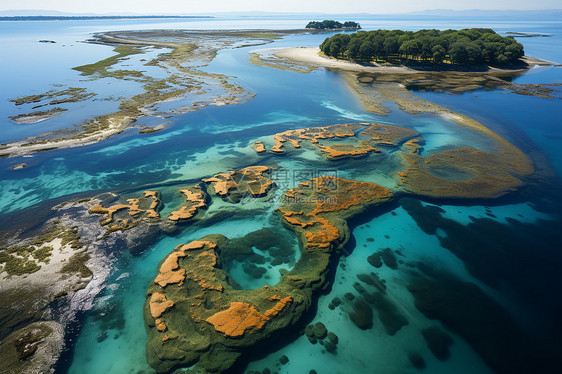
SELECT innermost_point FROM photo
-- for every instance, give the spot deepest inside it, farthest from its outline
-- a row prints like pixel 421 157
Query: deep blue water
pixel 215 139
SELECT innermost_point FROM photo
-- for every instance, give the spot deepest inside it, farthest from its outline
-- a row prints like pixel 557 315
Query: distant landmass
pixel 63 17
pixel 480 13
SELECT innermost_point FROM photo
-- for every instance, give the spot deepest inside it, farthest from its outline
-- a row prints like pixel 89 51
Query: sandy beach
pixel 312 56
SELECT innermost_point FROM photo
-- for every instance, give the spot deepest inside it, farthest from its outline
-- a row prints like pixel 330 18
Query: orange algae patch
pixel 171 277
pixel 245 180
pixel 241 317
pixel 169 272
pixel 324 236
pixel 237 319
pixel 343 150
pixel 152 213
pixel 412 145
pixel 194 200
pixel 348 193
pixel 134 210
pixel 98 209
pixel 160 325
pixel 196 244
pixel 258 147
pixel 326 199
pixel 279 306
pixel 324 137
pixel 159 304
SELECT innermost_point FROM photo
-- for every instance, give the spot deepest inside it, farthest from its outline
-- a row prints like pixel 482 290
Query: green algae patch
pixel 37 116
pixel 68 95
pixel 27 349
pixel 101 66
pixel 20 259
pixel 77 264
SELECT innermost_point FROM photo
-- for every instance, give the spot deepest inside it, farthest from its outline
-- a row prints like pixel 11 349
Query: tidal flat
pixel 231 213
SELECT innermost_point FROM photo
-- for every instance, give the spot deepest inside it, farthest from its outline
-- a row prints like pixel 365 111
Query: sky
pixel 293 6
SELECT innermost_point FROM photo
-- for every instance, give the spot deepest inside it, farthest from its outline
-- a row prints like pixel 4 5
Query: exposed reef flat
pixel 183 54
pixel 488 174
pixel 196 315
pixel 36 117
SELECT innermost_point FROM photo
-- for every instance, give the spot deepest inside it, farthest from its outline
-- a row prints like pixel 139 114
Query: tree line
pixel 332 25
pixel 476 46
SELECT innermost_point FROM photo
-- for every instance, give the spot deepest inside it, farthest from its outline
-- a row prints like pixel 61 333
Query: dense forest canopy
pixel 475 46
pixel 332 25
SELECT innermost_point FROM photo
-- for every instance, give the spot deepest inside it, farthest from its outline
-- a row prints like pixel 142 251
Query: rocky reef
pixel 195 314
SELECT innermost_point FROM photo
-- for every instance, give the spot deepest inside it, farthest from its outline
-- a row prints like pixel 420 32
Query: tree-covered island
pixel 333 25
pixel 469 47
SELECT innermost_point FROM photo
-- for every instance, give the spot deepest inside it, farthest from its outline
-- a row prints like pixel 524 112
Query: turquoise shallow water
pixel 216 139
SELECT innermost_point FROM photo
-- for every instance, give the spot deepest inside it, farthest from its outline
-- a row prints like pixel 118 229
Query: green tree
pixel 438 54
pixel 366 51
pixel 352 51
pixel 410 48
pixel 458 53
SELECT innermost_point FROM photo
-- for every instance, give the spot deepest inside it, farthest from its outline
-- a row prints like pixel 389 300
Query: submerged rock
pixel 417 360
pixel 375 260
pixel 361 315
pixel 438 342
pixel 319 330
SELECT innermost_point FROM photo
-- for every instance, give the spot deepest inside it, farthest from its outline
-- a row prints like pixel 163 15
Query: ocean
pixel 483 271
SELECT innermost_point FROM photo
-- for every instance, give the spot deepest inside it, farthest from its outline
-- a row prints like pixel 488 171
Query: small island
pixel 333 25
pixel 467 47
